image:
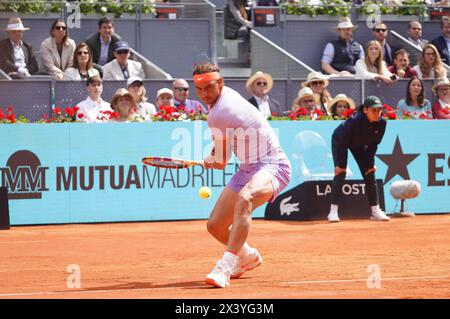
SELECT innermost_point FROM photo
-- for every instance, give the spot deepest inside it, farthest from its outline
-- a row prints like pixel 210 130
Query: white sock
pixel 375 208
pixel 230 258
pixel 333 208
pixel 245 250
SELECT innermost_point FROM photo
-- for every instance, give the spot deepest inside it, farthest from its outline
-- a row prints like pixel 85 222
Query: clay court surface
pixel 171 259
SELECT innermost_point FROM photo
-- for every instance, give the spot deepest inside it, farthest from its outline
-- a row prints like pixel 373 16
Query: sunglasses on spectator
pixel 380 30
pixel 317 83
pixel 309 101
pixel 83 53
pixel 136 84
pixel 60 27
pixel 261 83
pixel 182 89
pixel 123 52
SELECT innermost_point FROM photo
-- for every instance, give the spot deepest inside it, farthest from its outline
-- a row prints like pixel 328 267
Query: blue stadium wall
pixel 79 173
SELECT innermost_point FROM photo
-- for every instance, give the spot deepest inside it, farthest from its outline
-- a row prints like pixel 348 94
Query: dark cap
pixel 372 102
pixel 122 46
pixel 94 79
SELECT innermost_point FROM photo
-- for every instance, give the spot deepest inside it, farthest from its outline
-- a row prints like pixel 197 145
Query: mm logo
pixel 23 176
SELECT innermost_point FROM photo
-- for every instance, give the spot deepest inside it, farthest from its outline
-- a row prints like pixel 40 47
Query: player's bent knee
pixel 243 201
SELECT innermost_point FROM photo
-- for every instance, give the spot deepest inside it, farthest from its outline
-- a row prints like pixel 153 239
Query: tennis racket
pixel 166 162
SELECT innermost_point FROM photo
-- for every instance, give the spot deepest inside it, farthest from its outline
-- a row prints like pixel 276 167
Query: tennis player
pixel 238 127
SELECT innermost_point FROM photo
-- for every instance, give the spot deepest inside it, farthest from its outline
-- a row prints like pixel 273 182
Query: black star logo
pixel 397 162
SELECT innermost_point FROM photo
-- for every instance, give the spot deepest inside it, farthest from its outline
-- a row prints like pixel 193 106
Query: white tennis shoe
pixel 220 275
pixel 333 217
pixel 379 215
pixel 246 263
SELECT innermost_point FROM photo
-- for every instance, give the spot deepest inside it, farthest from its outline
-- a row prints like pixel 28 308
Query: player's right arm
pixel 220 154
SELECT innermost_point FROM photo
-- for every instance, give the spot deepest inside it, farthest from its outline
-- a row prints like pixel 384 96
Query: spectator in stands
pixel 305 99
pixel 237 21
pixel 82 67
pixel 339 56
pixel 259 86
pixel 415 104
pixel 16 57
pixel 122 68
pixel 144 109
pixel 341 106
pixel 415 34
pixel 164 97
pixel 441 109
pixel 401 66
pixel 380 32
pixel 57 50
pixel 103 42
pixel 318 83
pixel 372 67
pixel 180 89
pixel 94 104
pixel 430 64
pixel 125 105
pixel 442 42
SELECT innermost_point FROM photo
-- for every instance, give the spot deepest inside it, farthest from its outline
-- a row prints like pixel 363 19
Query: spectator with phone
pixel 401 66
pixel 373 67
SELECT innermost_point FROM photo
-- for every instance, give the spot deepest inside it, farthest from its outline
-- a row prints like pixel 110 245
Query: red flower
pixel 10 109
pixel 69 111
pixel 181 108
pixel 57 110
pixel 11 117
pixel 319 112
pixel 302 111
pixel 274 114
pixel 2 115
pixel 392 115
pixel 199 108
pixel 346 114
pixel 167 109
pixel 80 115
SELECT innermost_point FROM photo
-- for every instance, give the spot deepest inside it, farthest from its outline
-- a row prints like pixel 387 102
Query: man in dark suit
pixel 442 42
pixel 258 86
pixel 103 42
pixel 380 32
pixel 16 57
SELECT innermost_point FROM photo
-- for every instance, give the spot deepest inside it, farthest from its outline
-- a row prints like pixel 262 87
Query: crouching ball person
pixel 238 127
pixel 360 134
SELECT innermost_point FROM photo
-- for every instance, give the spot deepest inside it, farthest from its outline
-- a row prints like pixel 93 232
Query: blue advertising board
pixel 77 173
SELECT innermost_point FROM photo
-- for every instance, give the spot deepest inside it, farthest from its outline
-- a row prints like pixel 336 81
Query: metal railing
pixel 269 57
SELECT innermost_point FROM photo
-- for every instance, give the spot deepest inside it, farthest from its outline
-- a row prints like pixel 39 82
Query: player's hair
pixel 205 67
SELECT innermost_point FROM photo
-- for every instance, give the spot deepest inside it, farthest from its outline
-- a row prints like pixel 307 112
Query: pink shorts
pixel 280 171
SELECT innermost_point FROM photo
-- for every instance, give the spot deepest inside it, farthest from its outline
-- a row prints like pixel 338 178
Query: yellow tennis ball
pixel 204 192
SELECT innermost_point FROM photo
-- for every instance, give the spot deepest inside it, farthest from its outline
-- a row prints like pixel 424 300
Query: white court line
pixel 50 293
pixel 359 280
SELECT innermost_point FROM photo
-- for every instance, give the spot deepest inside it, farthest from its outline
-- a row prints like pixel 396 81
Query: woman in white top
pixel 57 50
pixel 430 64
pixel 82 68
pixel 372 67
pixel 146 110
